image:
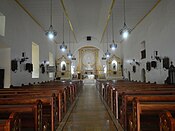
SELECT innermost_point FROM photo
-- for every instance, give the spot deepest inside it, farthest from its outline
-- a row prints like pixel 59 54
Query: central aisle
pixel 89 113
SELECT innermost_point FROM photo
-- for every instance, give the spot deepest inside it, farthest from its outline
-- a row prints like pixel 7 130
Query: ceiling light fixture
pixel 63 47
pixel 107 54
pixel 69 54
pixel 113 46
pixel 51 33
pixel 125 31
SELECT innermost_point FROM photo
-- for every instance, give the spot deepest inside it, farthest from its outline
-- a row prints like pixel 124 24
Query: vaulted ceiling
pixel 87 17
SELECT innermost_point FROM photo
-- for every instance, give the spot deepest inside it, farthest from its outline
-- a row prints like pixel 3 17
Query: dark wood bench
pixel 12 123
pixel 31 114
pixel 50 110
pixel 126 108
pixel 112 94
pixel 38 90
pixel 148 113
pixel 167 122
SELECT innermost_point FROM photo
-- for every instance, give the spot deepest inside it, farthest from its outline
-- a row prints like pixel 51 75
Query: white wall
pixel 20 32
pixel 158 31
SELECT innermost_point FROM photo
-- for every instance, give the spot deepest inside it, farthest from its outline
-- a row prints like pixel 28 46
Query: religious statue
pixel 64 67
pixel 114 66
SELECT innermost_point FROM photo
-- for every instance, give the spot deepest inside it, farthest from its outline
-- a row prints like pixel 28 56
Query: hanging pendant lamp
pixel 113 46
pixel 51 33
pixel 107 54
pixel 125 31
pixel 69 54
pixel 63 47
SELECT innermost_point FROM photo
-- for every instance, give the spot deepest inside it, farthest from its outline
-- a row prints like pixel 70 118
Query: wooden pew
pixel 12 123
pixel 114 95
pixel 49 106
pixel 126 108
pixel 32 111
pixel 167 122
pixel 60 92
pixel 54 87
pixel 148 110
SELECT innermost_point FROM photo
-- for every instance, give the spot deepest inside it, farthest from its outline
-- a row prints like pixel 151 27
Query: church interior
pixel 87 65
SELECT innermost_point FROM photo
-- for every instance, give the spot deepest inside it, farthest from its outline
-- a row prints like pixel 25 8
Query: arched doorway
pixel 143 75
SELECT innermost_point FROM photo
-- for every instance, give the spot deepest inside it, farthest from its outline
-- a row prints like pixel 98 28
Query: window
pixel 2 24
pixel 35 60
pixel 51 63
pixel 143 49
pixel 143 54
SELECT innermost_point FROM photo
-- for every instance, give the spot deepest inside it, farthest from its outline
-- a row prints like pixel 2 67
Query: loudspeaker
pixel 134 68
pixel 148 66
pixel 166 63
pixel 2 71
pixel 14 65
pixel 29 67
pixel 153 64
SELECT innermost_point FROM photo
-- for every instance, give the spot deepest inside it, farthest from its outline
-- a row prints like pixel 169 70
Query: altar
pixel 89 74
pixel 88 64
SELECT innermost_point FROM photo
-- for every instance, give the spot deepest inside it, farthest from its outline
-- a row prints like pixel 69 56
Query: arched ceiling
pixel 88 17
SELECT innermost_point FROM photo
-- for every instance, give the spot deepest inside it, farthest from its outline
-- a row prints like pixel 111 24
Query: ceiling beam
pixel 146 14
pixel 108 18
pixel 68 19
pixel 32 17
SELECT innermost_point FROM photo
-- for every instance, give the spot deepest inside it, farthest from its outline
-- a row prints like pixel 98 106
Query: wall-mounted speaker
pixel 14 65
pixel 153 64
pixel 134 68
pixel 148 66
pixel 166 63
pixel 2 72
pixel 29 67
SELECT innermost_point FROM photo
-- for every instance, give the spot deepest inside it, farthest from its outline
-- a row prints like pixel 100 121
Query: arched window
pixel 2 24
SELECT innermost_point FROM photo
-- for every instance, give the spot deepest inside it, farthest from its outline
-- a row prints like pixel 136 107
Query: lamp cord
pixel 51 12
pixel 63 26
pixel 124 11
pixel 107 38
pixel 112 28
pixel 69 39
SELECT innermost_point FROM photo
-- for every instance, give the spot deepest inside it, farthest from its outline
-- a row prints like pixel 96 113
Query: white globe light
pixel 50 35
pixel 125 34
pixel 63 49
pixel 112 48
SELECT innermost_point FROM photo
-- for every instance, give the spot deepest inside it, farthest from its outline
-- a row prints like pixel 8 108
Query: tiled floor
pixel 89 113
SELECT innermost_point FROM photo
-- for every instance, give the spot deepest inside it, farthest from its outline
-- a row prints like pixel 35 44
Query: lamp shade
pixel 125 31
pixel 113 46
pixel 51 33
pixel 107 54
pixel 63 47
pixel 69 55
